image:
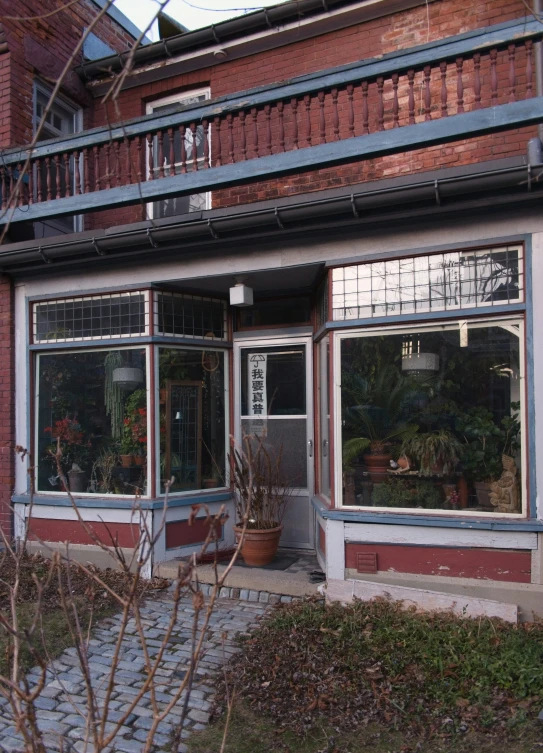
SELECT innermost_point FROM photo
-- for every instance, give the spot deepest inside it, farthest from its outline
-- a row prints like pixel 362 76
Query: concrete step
pixel 252 579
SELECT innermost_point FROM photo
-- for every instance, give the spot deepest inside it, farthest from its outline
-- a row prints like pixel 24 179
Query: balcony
pixel 457 88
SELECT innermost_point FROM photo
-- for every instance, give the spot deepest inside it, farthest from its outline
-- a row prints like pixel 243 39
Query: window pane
pixel 190 316
pixel 277 381
pixel 192 419
pixel 98 317
pixel 432 420
pixel 428 283
pixel 95 402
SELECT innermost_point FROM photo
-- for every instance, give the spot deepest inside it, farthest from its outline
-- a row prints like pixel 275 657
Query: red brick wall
pixel 7 403
pixel 38 48
pixel 41 48
pixel 387 34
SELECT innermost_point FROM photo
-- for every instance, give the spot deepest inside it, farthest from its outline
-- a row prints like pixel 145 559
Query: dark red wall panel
pixel 43 529
pixel 490 564
pixel 180 533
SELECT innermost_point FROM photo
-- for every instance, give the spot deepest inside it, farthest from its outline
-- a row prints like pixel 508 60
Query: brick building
pixel 368 171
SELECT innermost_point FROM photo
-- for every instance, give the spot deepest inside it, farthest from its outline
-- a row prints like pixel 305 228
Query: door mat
pixel 281 562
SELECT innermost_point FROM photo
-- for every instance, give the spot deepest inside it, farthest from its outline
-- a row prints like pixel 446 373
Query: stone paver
pixel 62 705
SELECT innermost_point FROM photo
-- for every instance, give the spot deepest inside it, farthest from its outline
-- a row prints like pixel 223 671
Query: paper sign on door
pixel 257 395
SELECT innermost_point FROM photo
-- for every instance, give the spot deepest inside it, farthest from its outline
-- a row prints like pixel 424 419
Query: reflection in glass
pixel 432 418
pixel 95 404
pixel 192 419
pixel 428 283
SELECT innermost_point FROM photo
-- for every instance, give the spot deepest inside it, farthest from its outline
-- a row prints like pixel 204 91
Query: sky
pixel 140 12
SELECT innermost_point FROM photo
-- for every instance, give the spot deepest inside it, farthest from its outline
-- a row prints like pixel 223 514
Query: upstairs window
pixel 179 204
pixel 61 119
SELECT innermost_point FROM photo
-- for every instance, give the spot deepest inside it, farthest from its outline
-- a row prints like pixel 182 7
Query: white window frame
pixel 178 99
pixel 413 328
pixel 226 366
pixel 77 113
pixel 101 348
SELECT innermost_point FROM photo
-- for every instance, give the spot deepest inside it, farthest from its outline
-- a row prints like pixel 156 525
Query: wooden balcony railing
pixel 456 88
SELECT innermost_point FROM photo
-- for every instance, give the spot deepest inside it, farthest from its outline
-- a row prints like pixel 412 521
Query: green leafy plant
pixel 434 452
pixel 379 422
pixel 134 440
pixel 484 441
pixel 406 492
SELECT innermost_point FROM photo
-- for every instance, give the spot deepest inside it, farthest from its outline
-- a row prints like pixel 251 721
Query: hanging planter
pixel 127 377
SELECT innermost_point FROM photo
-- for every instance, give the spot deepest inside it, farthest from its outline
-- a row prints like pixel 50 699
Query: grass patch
pixel 92 602
pixel 312 667
pixel 252 733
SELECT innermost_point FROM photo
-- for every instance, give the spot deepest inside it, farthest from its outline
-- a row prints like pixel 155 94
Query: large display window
pixel 432 418
pixel 93 405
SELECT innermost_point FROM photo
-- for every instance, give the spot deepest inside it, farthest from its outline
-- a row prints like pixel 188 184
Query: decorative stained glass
pixel 436 282
pixel 93 317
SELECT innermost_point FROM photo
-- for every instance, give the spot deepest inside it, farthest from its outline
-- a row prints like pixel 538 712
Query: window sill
pixel 407 519
pixel 124 504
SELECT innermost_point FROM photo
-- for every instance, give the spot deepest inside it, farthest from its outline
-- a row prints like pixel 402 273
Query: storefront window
pixel 95 404
pixel 193 430
pixel 432 418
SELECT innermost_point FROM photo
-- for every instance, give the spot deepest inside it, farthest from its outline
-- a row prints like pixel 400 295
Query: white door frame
pixel 266 341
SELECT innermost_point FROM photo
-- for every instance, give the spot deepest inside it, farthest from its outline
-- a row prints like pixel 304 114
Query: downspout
pixel 538 49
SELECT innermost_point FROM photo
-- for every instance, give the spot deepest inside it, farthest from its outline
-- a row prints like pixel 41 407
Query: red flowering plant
pixel 75 450
pixel 134 441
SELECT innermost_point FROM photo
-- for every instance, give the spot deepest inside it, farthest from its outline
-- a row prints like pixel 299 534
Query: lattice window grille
pixel 190 316
pixel 96 317
pixel 436 282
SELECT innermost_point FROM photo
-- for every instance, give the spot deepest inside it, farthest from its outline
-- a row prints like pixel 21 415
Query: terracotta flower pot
pixel 378 466
pixel 138 459
pixel 126 461
pixel 259 546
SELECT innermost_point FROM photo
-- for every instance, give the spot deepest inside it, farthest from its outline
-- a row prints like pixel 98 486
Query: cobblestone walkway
pixel 62 704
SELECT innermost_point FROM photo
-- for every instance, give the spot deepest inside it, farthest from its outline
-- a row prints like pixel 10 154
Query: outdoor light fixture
pixel 240 294
pixel 127 378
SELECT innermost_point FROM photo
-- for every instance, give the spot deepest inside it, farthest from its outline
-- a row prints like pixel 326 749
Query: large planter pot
pixel 77 481
pixel 482 490
pixel 259 546
pixel 378 466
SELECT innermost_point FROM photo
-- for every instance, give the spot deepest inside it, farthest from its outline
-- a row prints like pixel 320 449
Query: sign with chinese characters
pixel 257 403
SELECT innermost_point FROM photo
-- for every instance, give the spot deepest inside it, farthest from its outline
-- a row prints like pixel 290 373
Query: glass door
pixel 274 403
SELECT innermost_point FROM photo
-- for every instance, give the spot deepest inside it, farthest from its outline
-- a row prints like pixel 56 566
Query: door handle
pixel 325 448
pixel 310 446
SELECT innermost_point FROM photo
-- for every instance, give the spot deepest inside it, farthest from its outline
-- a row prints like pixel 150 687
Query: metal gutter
pixel 443 190
pixel 271 19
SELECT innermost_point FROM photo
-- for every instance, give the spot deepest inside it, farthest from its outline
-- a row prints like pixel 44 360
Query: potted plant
pixel 262 497
pixel 379 422
pixel 485 444
pixel 436 453
pixel 75 450
pixel 134 440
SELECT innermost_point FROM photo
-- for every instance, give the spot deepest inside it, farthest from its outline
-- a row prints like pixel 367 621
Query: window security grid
pixel 436 282
pixel 97 317
pixel 178 315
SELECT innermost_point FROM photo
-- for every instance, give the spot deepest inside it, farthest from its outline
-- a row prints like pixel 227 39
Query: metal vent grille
pixel 366 562
pixel 179 315
pixel 97 317
pixel 437 282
